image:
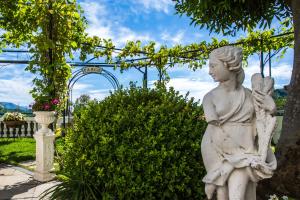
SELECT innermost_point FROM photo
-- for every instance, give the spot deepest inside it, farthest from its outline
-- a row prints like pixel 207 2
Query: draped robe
pixel 230 139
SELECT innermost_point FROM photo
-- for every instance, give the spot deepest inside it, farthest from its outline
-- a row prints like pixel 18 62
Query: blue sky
pixel 145 20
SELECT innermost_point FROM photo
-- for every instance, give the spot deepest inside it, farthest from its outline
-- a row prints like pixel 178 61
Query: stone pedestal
pixel 44 157
pixel 44 147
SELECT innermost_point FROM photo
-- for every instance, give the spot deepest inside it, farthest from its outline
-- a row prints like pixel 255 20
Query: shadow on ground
pixel 9 191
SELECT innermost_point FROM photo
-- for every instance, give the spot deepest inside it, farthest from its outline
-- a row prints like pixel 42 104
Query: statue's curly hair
pixel 232 58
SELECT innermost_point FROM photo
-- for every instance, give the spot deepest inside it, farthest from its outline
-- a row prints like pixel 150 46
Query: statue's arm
pixel 210 110
pixel 264 101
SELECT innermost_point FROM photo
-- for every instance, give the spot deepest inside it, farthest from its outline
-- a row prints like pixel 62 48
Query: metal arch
pixel 113 77
pixel 109 76
pixel 79 74
pixel 111 81
pixel 75 75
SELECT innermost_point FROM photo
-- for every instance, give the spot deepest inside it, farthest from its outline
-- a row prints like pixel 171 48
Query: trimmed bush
pixel 135 144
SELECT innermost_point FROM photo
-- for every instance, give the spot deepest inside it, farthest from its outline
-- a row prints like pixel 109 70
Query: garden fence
pixel 25 130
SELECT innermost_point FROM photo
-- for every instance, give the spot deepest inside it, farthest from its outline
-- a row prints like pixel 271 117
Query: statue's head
pixel 225 63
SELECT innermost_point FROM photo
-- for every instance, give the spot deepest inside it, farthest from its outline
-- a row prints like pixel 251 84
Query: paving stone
pixel 18 183
pixel 6 171
pixel 13 180
pixel 41 188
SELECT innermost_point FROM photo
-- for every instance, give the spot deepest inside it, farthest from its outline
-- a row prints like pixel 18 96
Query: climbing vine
pixel 54 29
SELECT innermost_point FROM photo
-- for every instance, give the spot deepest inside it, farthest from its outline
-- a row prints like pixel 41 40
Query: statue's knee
pixel 209 190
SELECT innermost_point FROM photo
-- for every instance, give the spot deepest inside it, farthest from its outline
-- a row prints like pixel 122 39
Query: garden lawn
pixel 14 151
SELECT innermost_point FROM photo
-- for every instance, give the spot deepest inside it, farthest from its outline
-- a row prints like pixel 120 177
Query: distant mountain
pixel 278 93
pixel 13 107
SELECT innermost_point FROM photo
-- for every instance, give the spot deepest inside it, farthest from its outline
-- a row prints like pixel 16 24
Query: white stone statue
pixel 236 145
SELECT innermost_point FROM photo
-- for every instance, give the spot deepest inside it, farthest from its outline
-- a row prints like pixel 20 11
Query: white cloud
pixel 81 86
pixel 101 25
pixel 177 38
pixel 125 34
pixel 15 84
pixel 16 91
pixel 196 88
pixel 99 94
pixel 198 35
pixel 157 5
pixel 13 70
pixel 95 13
pixel 282 71
pixel 197 83
pixel 88 89
pixel 184 80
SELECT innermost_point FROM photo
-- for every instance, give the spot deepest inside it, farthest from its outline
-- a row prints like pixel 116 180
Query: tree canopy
pixel 228 17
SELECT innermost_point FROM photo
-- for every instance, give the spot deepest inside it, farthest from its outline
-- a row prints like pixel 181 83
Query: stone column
pixel 44 147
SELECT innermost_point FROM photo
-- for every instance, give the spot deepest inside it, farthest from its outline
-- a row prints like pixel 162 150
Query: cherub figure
pixel 265 122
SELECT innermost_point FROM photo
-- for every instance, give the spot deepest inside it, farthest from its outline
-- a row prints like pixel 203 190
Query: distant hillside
pixel 13 107
pixel 278 93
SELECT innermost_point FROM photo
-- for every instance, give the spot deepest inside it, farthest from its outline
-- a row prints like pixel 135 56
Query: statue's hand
pixel 264 101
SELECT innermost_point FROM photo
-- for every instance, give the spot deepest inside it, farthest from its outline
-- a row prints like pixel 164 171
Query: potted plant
pixel 44 109
pixel 13 119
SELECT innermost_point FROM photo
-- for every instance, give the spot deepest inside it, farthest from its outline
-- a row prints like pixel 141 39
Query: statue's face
pixel 218 71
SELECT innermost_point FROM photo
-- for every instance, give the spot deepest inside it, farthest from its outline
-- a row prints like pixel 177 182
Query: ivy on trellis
pixel 54 30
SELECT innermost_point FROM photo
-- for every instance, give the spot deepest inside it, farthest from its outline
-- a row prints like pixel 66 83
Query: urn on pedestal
pixel 44 146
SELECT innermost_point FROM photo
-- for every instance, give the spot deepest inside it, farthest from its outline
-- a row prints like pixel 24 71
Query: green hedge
pixel 136 144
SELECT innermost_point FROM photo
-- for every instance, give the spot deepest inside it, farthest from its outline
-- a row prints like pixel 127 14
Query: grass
pixel 14 151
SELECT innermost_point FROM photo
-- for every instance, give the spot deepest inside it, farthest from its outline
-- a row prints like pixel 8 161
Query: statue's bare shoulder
pixel 209 106
pixel 211 95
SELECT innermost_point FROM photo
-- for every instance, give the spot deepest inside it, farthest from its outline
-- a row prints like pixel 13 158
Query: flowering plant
pixel 45 104
pixel 274 197
pixel 13 116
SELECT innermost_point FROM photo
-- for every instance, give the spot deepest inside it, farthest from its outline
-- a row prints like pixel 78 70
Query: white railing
pixel 26 130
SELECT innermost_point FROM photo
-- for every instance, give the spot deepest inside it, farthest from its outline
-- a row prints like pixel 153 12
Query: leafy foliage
pixel 53 30
pixel 74 38
pixel 136 144
pixel 280 103
pixel 82 101
pixel 228 17
pixel 2 109
pixel 275 197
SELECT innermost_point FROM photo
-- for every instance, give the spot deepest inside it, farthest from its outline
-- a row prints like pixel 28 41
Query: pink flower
pixel 55 101
pixel 46 106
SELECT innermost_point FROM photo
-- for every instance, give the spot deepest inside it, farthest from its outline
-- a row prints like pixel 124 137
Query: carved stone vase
pixel 44 146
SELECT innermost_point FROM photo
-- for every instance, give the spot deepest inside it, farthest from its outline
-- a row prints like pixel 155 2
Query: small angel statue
pixel 265 122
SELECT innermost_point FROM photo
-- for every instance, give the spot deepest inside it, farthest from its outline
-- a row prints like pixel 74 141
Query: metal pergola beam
pixel 15 51
pixel 15 61
pixel 70 63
